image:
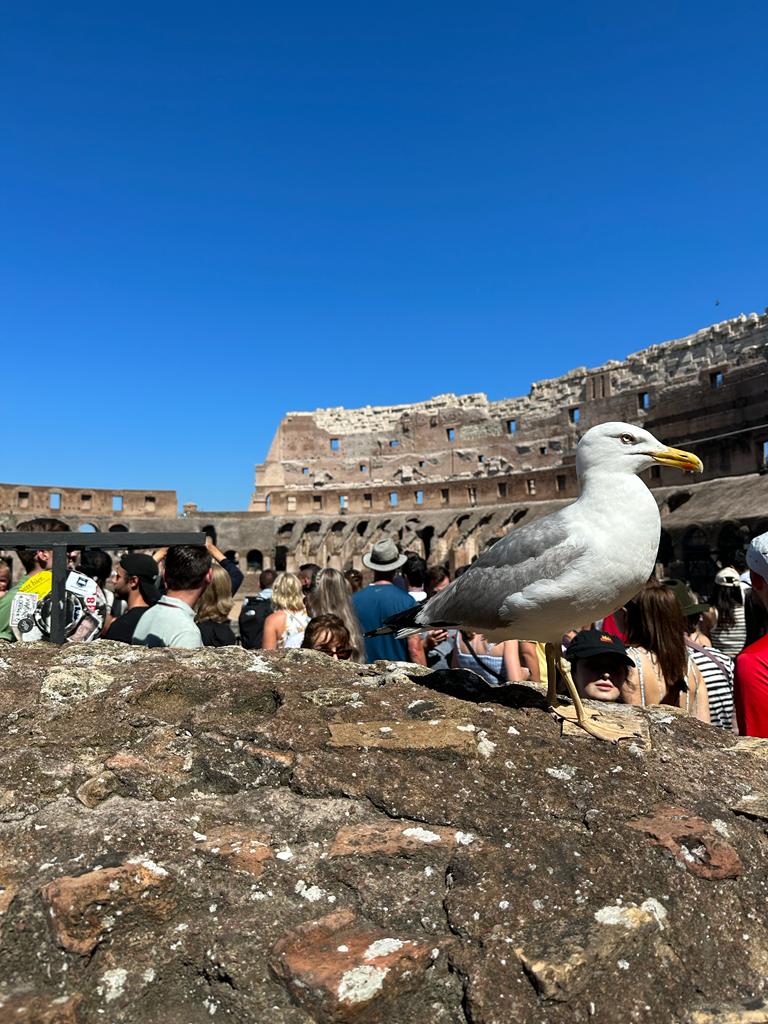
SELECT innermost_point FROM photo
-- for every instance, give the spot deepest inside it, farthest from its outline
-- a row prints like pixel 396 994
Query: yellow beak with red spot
pixel 679 459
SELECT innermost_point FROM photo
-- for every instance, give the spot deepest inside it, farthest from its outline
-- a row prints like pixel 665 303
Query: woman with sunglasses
pixel 331 595
pixel 329 635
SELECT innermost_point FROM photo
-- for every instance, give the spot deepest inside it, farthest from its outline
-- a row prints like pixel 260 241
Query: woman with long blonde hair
pixel 213 610
pixel 330 595
pixel 284 628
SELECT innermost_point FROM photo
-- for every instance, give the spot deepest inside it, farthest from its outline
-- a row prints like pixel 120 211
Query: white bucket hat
pixel 757 555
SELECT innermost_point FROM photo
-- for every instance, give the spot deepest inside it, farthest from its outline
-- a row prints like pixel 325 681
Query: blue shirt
pixel 373 605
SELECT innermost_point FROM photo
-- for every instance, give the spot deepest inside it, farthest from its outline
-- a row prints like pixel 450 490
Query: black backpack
pixel 251 621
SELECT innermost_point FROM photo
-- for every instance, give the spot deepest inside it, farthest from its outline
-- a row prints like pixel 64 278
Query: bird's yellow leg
pixel 554 659
pixel 551 655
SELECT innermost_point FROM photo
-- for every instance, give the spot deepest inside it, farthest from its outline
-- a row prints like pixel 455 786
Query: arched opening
pixel 730 545
pixel 698 565
pixel 118 528
pixel 425 535
pixel 254 560
pixel 281 558
pixel 285 528
pixel 362 526
pixel 677 499
pixel 338 526
pixel 518 514
pixel 87 528
pixel 313 527
pixel 666 552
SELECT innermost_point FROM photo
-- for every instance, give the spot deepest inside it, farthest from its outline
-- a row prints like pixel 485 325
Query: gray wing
pixel 483 596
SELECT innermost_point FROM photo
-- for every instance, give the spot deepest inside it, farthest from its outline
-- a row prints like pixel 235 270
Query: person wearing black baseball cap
pixel 135 584
pixel 599 664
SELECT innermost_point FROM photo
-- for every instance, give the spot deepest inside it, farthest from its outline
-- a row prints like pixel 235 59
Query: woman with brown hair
pixel 330 595
pixel 328 634
pixel 664 671
pixel 729 632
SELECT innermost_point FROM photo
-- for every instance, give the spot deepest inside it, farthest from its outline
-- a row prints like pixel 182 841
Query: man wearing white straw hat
pixel 376 602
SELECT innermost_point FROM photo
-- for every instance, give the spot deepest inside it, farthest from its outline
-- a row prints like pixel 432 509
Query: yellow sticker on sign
pixel 39 584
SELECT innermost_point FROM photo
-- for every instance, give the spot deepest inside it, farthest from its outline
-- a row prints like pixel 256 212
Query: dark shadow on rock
pixel 466 685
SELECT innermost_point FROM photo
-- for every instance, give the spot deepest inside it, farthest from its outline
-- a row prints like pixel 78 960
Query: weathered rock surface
pixel 196 835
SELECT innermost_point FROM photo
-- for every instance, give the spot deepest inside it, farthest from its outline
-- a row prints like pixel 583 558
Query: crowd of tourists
pixel 707 655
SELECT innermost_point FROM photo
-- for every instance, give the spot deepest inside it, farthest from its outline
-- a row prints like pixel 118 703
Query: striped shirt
pixel 731 639
pixel 717 672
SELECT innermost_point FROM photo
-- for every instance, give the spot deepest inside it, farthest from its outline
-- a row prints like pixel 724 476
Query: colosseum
pixel 447 476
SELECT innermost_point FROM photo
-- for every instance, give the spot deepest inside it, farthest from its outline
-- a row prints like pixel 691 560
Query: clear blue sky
pixel 215 213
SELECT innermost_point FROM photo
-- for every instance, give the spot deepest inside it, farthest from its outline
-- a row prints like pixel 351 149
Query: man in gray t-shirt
pixel 171 622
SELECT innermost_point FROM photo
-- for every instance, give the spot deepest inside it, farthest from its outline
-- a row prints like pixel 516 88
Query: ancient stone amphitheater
pixel 448 475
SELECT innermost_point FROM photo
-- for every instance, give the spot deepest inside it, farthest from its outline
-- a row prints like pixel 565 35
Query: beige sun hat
pixel 384 557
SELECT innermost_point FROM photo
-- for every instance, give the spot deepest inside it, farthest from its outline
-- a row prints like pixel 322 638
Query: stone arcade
pixel 448 475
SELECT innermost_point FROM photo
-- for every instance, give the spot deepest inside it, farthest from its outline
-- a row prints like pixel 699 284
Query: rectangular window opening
pixel 542 449
pixel 343 501
pixel 472 495
pixel 574 415
pixel 560 482
pixel 511 426
pixel 54 501
pixel 450 433
pixel 445 495
pixel 394 443
pixel 530 485
pixel 362 467
pixel 419 497
pixel 393 499
pixel 117 503
pixel 85 502
pixel 335 444
pixel 149 503
pixel 502 490
pixel 23 499
pixel 291 503
pixel 305 470
pixel 716 379
pixel 368 500
pixel 317 501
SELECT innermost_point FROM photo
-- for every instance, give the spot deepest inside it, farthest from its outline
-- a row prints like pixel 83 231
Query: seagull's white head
pixel 623 448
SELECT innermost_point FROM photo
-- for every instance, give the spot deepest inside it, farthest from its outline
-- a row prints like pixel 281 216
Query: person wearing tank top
pixel 664 672
pixel 284 628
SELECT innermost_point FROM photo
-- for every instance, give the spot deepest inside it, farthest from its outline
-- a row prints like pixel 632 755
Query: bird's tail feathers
pixel 402 624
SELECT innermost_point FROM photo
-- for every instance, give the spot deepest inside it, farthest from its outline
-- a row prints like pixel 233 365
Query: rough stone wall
pixel 30 501
pixel 188 836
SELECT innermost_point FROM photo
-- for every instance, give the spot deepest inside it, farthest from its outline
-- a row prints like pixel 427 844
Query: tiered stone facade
pixel 446 476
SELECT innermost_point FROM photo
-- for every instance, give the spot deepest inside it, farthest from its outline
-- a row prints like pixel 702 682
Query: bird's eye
pixel 626 439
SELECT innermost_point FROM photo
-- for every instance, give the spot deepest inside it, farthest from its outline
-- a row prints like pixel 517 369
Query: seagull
pixel 574 566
